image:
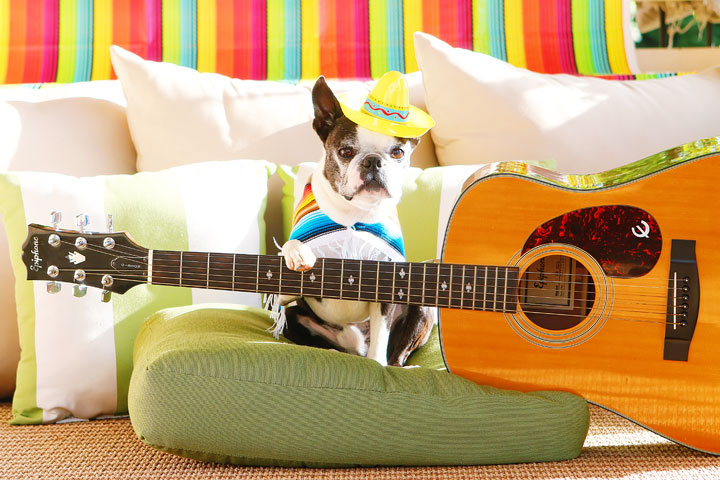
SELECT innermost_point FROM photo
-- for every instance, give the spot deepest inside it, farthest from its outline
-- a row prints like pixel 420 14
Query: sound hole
pixel 557 292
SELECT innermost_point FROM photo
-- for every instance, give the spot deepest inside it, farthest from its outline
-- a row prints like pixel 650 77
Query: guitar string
pixel 216 275
pixel 252 287
pixel 452 307
pixel 204 265
pixel 107 252
pixel 143 253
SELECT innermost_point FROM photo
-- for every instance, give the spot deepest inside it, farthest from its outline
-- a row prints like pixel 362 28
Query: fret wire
pixel 474 301
pixel 450 290
pixel 485 289
pixel 505 291
pixel 207 278
pixel 302 281
pixel 342 269
pixel 437 285
pixel 409 277
pixel 322 280
pixel 257 275
pixel 181 268
pixel 495 290
pixel 393 282
pixel 233 272
pixel 377 282
pixel 422 298
pixel 280 277
pixel 462 296
pixel 360 280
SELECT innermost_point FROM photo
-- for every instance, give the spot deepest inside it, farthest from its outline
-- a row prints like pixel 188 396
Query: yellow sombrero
pixel 387 108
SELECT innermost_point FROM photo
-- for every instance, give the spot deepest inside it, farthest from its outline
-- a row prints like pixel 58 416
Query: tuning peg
pixel 104 296
pixel 79 290
pixel 109 223
pixel 81 221
pixel 55 218
pixel 53 287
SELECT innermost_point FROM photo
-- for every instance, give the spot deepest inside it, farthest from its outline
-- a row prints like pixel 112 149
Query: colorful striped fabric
pixel 68 40
pixel 366 241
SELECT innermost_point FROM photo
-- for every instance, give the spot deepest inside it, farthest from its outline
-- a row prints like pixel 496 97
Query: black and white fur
pixel 359 180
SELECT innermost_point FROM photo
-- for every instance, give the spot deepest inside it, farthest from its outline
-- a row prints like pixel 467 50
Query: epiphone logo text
pixel 36 260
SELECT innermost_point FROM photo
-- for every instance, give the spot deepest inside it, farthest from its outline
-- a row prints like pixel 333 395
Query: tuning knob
pixel 79 290
pixel 104 296
pixel 53 287
pixel 55 219
pixel 82 221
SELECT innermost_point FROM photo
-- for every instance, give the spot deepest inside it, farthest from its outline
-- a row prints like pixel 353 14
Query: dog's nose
pixel 372 161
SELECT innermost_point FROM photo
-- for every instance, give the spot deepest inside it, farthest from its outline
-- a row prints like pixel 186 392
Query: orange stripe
pixel 345 31
pixel 531 26
pixel 34 41
pixel 16 57
pixel 121 26
pixel 138 28
pixel 431 17
pixel 448 22
pixel 328 39
pixel 225 35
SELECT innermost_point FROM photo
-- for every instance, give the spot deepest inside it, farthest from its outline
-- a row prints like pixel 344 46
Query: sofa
pixel 126 126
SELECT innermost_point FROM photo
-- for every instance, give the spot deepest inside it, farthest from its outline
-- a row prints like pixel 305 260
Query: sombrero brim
pixel 417 124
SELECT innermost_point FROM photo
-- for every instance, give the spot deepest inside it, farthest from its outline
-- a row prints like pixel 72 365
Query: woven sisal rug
pixel 109 449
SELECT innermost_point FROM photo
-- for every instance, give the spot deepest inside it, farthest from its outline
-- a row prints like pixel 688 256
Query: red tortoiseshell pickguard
pixel 625 240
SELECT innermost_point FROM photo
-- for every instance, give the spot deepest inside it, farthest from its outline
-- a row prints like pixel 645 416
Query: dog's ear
pixel 327 109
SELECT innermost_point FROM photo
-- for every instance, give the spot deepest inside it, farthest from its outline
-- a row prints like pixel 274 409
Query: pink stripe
pixel 153 12
pixel 258 62
pixel 465 24
pixel 362 40
pixel 564 23
pixel 50 41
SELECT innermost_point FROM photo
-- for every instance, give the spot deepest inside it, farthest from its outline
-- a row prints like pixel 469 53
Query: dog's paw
pixel 298 256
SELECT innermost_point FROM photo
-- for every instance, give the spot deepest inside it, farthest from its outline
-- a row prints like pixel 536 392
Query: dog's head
pixel 362 166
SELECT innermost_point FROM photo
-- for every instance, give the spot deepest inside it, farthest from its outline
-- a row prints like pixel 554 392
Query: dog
pixel 359 181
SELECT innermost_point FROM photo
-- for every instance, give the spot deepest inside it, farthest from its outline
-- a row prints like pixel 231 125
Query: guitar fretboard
pixel 472 287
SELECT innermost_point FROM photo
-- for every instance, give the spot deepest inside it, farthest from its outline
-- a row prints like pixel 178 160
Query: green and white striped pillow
pixel 76 355
pixel 428 199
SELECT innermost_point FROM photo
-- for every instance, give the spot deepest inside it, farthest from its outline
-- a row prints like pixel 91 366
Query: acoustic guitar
pixel 585 283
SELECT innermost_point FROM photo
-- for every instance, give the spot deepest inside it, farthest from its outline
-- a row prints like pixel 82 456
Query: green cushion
pixel 211 383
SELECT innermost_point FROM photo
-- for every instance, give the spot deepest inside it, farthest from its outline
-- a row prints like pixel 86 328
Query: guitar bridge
pixel 683 300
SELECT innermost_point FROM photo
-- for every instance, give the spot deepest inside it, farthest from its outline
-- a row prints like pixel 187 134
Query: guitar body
pixel 597 288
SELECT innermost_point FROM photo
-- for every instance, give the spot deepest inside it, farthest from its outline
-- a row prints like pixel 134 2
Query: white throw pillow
pixel 487 110
pixel 77 352
pixel 76 129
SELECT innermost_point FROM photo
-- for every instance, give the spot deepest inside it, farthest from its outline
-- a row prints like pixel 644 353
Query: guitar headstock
pixel 110 261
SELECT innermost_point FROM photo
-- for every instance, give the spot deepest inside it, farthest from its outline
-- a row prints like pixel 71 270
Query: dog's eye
pixel 346 152
pixel 397 153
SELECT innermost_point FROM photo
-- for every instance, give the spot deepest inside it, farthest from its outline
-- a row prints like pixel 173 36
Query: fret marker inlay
pixel 468 287
pixel 312 277
pixel 400 294
pixel 268 274
pixel 444 285
pixel 351 280
pixel 402 273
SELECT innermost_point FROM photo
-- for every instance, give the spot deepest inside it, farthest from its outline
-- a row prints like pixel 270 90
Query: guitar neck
pixel 472 287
